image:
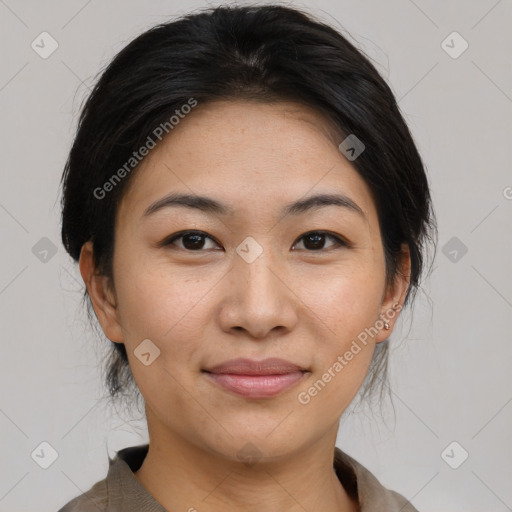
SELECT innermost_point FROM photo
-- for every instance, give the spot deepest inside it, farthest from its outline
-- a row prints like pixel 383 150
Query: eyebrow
pixel 209 205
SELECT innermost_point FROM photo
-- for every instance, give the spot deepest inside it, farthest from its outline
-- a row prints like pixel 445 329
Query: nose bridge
pixel 253 265
pixel 259 299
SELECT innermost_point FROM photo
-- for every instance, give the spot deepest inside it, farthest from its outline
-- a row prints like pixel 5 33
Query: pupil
pixel 316 238
pixel 197 242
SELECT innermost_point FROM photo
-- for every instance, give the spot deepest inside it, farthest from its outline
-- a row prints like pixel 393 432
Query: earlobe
pixel 394 297
pixel 101 294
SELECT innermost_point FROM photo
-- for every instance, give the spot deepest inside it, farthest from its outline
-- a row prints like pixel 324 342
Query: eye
pixel 315 240
pixel 190 240
pixel 195 241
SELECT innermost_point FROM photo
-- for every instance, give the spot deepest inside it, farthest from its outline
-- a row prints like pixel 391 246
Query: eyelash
pixel 170 240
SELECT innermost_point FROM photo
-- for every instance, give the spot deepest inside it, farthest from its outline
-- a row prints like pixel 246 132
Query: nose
pixel 258 298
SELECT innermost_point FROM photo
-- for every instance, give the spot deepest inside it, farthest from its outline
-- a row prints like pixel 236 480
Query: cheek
pixel 167 309
pixel 345 308
pixel 172 309
pixel 346 300
pixel 154 302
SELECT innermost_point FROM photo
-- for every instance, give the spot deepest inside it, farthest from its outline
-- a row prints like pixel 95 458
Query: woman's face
pixel 253 284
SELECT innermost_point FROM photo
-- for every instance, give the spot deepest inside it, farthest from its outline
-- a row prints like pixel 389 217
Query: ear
pixel 395 293
pixel 101 294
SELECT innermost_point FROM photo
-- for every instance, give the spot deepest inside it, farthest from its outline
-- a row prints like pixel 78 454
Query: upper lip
pixel 270 366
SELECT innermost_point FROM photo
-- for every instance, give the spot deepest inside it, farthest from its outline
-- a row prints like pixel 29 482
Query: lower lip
pixel 256 386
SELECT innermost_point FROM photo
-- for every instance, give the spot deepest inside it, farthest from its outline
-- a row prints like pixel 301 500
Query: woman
pixel 250 214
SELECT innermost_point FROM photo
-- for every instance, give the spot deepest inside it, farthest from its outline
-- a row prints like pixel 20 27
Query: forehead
pixel 248 153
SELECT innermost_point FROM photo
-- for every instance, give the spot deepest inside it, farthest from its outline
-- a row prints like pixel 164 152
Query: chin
pixel 255 443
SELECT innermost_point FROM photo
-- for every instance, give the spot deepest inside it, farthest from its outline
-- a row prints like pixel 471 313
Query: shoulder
pixel 119 491
pixel 372 495
pixel 94 500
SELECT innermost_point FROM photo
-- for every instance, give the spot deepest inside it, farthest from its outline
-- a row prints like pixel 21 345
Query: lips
pixel 256 379
pixel 270 366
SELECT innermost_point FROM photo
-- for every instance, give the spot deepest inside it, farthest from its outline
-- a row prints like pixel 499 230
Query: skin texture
pixel 203 306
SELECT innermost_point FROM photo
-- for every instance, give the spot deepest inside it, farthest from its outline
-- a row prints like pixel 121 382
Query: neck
pixel 182 476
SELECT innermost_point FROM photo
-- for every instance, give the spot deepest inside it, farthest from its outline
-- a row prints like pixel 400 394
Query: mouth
pixel 256 379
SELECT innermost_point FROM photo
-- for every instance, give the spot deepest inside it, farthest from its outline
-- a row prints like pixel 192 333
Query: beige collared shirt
pixel 120 491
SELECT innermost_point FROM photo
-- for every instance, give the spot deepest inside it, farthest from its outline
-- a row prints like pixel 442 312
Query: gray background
pixel 450 367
